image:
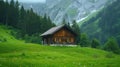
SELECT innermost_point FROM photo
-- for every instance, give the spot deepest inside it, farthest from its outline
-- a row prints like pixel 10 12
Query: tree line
pixel 27 21
pixel 107 20
pixel 13 14
pixel 29 26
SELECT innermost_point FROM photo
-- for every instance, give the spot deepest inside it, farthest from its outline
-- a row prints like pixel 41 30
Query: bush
pixel 110 55
pixel 95 43
pixel 17 34
pixel 27 38
pixel 3 40
pixel 23 54
pixel 32 39
pixel 84 41
pixel 112 45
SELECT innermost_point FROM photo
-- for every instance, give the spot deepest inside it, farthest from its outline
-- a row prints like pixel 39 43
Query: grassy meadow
pixel 17 53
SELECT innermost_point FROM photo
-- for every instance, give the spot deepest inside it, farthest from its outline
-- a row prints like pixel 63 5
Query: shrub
pixel 23 54
pixel 84 40
pixel 4 40
pixel 33 38
pixel 112 45
pixel 110 55
pixel 95 43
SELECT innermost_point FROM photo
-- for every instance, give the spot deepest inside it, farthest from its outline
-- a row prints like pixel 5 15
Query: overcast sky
pixel 31 0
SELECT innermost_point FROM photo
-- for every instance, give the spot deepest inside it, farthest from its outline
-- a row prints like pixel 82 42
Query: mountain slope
pixel 67 9
pixel 15 53
pixel 105 24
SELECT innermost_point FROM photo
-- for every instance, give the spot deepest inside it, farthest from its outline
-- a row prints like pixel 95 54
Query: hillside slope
pixel 15 53
pixel 105 24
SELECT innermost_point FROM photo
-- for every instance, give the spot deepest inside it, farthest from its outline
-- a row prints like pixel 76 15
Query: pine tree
pixel 2 11
pixel 11 13
pixel 16 13
pixel 64 22
pixel 76 29
pixel 22 20
pixel 6 13
pixel 28 22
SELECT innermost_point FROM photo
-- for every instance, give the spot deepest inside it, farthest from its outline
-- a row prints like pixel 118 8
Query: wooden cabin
pixel 59 35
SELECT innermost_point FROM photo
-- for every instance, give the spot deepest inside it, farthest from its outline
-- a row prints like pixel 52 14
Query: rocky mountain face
pixel 66 9
pixel 105 24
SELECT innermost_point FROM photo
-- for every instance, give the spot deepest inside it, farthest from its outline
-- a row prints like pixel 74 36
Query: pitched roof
pixel 52 30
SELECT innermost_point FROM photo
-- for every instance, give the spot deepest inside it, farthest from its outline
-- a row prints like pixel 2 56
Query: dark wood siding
pixel 63 35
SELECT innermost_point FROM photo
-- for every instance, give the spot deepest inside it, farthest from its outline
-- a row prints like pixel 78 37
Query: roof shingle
pixel 52 30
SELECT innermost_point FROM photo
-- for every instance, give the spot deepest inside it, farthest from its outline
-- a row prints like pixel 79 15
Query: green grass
pixel 16 53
